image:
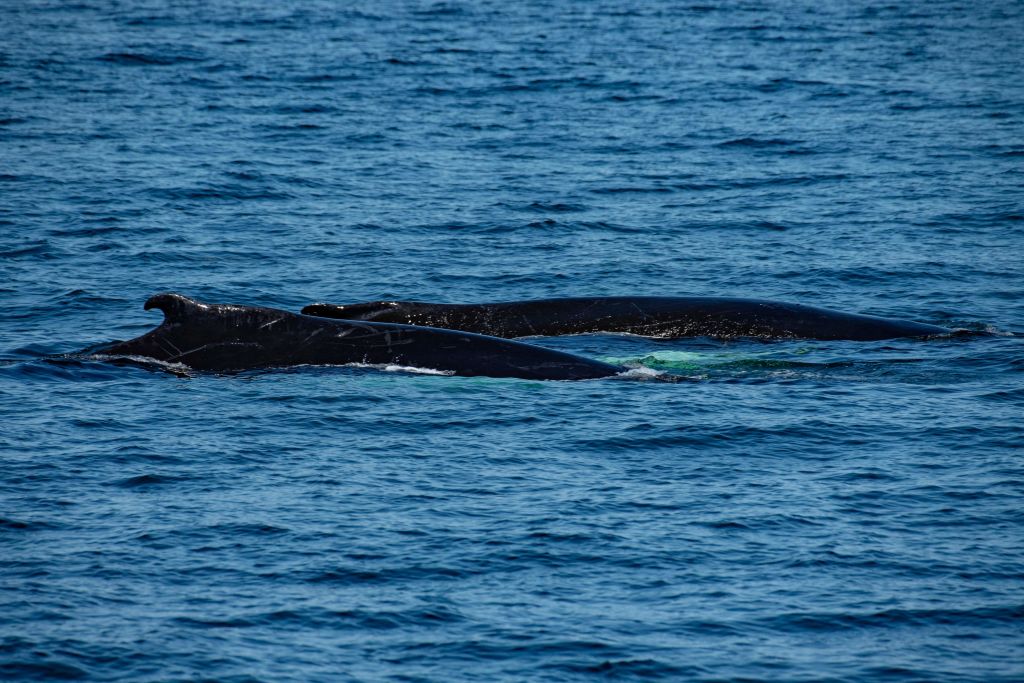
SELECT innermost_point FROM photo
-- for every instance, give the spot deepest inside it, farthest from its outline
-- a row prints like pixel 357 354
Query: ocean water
pixel 790 511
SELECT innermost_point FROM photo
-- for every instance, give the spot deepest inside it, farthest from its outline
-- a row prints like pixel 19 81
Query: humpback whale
pixel 649 316
pixel 228 337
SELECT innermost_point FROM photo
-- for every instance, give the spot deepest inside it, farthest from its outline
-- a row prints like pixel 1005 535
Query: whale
pixel 228 337
pixel 648 316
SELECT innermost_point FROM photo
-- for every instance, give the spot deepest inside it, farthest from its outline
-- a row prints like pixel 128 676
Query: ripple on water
pixel 725 510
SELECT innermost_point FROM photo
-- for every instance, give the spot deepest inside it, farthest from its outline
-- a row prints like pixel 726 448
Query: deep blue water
pixel 799 511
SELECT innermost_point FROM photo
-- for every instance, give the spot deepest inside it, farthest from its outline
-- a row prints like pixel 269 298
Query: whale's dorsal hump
pixel 362 311
pixel 175 307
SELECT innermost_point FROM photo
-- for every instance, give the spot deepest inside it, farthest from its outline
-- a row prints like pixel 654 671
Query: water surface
pixel 790 511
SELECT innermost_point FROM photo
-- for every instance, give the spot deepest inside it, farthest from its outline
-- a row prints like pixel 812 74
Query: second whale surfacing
pixel 225 337
pixel 649 316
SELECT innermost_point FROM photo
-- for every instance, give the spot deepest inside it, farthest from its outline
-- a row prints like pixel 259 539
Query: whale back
pixel 368 310
pixel 448 316
pixel 227 337
pixel 664 317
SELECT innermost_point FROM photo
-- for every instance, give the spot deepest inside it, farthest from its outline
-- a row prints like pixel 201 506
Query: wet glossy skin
pixel 228 337
pixel 667 317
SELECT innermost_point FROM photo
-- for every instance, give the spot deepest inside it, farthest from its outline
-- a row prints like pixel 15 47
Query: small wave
pixel 21 525
pixel 397 61
pixel 42 249
pixel 642 374
pixel 759 143
pixel 545 224
pixel 776 84
pixel 254 529
pixel 390 367
pixel 140 59
pixel 632 669
pixel 415 370
pixel 632 190
pixel 90 231
pixel 221 192
pixel 347 576
pixel 371 619
pixel 41 671
pixel 177 369
pixel 325 618
pixel 978 219
pixel 314 78
pixel 80 298
pixel 441 9
pixel 304 109
pixel 214 623
pixel 897 617
pixel 554 207
pixel 751 183
pixel 682 360
pixel 454 51
pixel 147 480
pixel 291 127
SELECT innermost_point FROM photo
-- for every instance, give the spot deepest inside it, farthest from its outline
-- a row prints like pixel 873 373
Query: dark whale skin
pixel 225 337
pixel 649 316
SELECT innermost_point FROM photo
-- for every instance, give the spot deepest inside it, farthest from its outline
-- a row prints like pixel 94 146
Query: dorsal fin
pixel 175 307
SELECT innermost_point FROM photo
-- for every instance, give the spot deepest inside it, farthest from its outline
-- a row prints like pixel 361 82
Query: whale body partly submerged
pixel 228 337
pixel 651 316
